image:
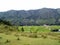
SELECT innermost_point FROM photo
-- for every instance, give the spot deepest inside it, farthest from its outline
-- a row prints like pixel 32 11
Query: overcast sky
pixel 28 4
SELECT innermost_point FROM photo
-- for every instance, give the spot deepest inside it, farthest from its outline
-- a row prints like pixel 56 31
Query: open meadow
pixel 29 35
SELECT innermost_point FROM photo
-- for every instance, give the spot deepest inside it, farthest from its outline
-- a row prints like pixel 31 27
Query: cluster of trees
pixel 5 22
pixel 32 17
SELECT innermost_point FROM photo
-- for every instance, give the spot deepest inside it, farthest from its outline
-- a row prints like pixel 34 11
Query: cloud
pixel 28 4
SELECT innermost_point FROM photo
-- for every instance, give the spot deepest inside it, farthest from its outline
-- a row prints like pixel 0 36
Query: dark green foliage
pixel 30 31
pixel 33 35
pixel 7 41
pixel 18 38
pixel 44 36
pixel 6 26
pixel 5 22
pixel 22 29
pixel 16 35
pixel 31 17
pixel 0 37
pixel 59 41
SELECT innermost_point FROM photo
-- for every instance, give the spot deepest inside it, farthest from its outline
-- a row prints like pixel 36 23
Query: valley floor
pixel 13 39
pixel 29 35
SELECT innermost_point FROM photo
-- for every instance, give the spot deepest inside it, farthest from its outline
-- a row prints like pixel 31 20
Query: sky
pixel 28 4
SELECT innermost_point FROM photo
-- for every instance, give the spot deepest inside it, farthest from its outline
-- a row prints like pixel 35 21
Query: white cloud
pixel 28 4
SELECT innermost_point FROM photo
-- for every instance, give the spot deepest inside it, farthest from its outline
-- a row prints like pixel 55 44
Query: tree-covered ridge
pixel 32 17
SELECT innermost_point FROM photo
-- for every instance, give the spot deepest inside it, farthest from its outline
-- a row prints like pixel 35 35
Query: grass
pixel 27 41
pixel 34 28
pixel 44 36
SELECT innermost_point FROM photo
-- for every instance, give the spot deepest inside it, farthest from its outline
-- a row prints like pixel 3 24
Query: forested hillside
pixel 32 17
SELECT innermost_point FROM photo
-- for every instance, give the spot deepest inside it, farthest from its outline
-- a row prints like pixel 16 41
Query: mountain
pixel 32 17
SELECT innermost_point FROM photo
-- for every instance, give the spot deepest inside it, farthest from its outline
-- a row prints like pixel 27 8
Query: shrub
pixel 44 36
pixel 22 29
pixel 30 31
pixel 7 41
pixel 6 26
pixel 7 32
pixel 0 37
pixel 33 35
pixel 24 34
pixel 16 35
pixel 18 38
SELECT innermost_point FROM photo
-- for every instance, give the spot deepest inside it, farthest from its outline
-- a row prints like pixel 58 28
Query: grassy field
pixel 43 37
pixel 12 40
pixel 39 28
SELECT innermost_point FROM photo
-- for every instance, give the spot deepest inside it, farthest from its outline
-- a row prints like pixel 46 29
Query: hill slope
pixel 32 17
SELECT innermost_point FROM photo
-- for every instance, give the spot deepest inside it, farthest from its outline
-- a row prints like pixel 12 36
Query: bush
pixel 18 38
pixel 16 35
pixel 22 29
pixel 30 31
pixel 0 37
pixel 6 26
pixel 7 41
pixel 8 33
pixel 33 35
pixel 44 36
pixel 24 34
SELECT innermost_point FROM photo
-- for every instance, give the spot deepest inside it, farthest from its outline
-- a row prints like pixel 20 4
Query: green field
pixel 39 28
pixel 30 37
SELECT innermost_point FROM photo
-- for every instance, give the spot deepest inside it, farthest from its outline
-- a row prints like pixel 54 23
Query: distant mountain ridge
pixel 32 17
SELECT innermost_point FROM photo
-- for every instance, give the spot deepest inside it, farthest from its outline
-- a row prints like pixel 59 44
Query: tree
pixel 22 29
